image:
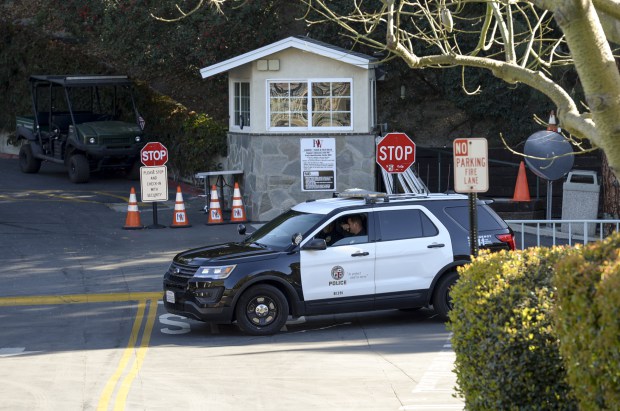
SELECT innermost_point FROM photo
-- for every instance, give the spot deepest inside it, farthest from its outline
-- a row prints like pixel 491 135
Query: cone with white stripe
pixel 179 220
pixel 215 211
pixel 132 221
pixel 553 124
pixel 238 210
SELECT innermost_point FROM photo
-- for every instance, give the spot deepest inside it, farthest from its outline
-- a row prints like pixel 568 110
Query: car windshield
pixel 278 233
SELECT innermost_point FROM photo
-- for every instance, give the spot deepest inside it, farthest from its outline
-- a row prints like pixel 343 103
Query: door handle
pixel 360 254
pixel 435 245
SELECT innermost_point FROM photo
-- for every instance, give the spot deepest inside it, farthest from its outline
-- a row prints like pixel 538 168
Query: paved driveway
pixel 83 327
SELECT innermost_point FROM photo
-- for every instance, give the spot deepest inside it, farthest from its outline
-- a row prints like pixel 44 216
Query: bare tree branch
pixel 217 4
pixel 517 40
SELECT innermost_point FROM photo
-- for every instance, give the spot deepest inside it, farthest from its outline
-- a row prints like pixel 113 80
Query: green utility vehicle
pixel 87 123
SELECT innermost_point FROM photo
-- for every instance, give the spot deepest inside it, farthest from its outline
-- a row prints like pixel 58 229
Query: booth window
pixel 242 104
pixel 310 104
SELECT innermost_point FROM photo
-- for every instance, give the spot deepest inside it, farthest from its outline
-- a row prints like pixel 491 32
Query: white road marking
pixel 13 351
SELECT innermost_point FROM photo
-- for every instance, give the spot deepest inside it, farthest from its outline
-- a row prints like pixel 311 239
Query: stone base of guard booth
pixel 272 174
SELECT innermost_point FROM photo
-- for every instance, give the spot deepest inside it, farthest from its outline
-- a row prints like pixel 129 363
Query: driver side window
pixel 351 229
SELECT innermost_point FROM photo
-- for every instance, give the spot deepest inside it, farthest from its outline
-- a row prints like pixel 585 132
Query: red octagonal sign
pixel 154 154
pixel 396 152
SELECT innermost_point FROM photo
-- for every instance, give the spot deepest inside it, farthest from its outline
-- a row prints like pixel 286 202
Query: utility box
pixel 580 201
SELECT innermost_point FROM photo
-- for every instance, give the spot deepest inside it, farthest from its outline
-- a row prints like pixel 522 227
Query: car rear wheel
pixel 78 168
pixel 442 301
pixel 28 163
pixel 262 310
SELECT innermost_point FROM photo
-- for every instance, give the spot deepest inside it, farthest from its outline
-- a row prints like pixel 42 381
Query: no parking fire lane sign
pixel 471 165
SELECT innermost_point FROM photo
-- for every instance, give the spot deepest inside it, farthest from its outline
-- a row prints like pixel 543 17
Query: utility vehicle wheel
pixel 28 163
pixel 78 168
pixel 262 310
pixel 442 302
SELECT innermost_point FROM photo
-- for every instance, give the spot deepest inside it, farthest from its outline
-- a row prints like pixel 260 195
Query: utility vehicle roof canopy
pixel 82 80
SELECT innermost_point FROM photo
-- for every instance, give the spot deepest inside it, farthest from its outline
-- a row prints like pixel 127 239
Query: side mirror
pixel 241 229
pixel 316 244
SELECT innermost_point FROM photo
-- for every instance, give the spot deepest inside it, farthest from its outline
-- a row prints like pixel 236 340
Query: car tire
pixel 28 163
pixel 78 169
pixel 442 302
pixel 261 310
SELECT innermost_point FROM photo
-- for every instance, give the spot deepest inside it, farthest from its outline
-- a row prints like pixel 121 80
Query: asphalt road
pixel 82 327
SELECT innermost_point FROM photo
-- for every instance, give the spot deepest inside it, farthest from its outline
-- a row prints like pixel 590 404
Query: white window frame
pixel 233 98
pixel 309 82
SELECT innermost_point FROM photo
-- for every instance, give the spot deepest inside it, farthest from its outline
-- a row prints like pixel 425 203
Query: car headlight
pixel 218 272
pixel 138 139
pixel 92 140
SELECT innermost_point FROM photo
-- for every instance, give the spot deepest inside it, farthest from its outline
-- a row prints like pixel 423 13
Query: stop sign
pixel 154 154
pixel 396 152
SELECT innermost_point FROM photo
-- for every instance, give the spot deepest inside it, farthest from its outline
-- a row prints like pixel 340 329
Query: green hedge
pixel 194 140
pixel 588 323
pixel 507 352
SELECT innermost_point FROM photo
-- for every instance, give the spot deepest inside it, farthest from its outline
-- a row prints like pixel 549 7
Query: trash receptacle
pixel 580 200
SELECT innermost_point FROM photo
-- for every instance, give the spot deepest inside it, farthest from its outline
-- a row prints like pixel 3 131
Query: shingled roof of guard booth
pixel 302 43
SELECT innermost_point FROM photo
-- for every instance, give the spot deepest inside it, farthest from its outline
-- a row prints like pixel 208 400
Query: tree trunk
pixel 611 191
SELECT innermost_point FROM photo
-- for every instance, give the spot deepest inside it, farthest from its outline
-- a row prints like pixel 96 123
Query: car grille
pixel 181 273
pixel 116 141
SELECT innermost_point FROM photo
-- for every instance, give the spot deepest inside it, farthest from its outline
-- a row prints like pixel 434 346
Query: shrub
pixel 507 353
pixel 194 141
pixel 588 323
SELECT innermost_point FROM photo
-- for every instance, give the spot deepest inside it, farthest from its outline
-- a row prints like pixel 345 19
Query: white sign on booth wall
pixel 154 183
pixel 318 164
pixel 471 165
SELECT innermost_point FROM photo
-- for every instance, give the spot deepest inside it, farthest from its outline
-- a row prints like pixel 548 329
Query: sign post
pixel 471 175
pixel 154 176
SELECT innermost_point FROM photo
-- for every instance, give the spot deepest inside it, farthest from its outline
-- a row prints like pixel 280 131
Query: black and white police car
pixel 316 259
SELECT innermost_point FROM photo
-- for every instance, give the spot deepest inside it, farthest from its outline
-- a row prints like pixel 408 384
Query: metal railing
pixel 536 233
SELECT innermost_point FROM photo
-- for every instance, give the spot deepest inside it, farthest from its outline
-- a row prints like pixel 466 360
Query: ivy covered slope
pixel 123 37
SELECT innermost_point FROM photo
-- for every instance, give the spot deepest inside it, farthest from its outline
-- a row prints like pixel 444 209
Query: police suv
pixel 354 252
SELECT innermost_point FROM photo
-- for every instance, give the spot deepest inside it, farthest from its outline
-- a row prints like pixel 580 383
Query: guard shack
pixel 302 122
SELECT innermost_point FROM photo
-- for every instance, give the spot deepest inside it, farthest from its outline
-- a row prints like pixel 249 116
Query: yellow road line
pixel 142 298
pixel 123 391
pixel 77 298
pixel 120 197
pixel 111 384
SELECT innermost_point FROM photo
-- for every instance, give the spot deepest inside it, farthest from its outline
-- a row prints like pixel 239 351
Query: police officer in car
pixel 330 234
pixel 354 226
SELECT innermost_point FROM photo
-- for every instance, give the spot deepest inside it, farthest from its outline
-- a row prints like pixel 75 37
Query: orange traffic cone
pixel 215 211
pixel 180 217
pixel 522 190
pixel 553 124
pixel 238 210
pixel 132 222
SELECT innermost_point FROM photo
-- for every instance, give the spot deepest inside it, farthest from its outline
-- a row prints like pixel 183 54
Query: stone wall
pixel 271 182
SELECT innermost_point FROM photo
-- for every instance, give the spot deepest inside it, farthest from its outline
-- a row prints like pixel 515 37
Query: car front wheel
pixel 261 310
pixel 442 301
pixel 79 170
